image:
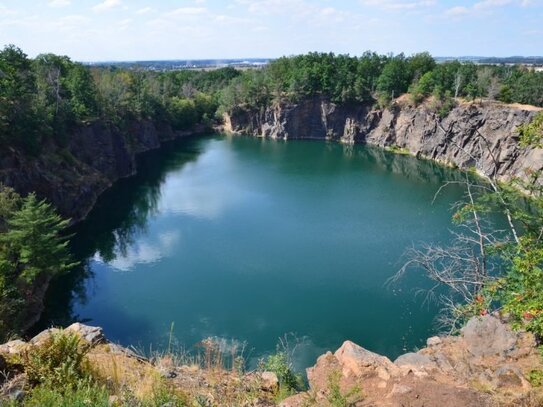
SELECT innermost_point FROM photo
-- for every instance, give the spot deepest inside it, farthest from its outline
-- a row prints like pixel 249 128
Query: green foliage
pixel 58 374
pixel 19 119
pixel 32 250
pixel 33 244
pixel 85 394
pixel 279 364
pixel 423 88
pixel 443 104
pixel 336 397
pixel 532 133
pixel 535 377
pixel 522 287
pixel 395 77
pixel 59 362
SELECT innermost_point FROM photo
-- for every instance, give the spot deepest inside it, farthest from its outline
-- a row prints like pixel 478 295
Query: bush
pixel 59 362
pixel 279 364
pixel 336 397
pixel 84 394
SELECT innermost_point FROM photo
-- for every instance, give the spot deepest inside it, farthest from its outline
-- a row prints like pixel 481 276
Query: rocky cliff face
pixel 471 135
pixel 72 177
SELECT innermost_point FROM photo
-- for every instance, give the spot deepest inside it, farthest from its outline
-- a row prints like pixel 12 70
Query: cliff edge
pixel 488 364
pixel 481 136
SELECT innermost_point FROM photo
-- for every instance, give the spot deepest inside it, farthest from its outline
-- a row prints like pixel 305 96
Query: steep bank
pixel 482 134
pixel 73 176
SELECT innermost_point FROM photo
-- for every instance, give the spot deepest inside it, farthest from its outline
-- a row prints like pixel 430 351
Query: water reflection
pixel 250 239
pixel 142 251
pixel 111 231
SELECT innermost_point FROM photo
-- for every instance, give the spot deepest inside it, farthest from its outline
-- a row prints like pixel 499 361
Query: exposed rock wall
pixel 481 135
pixel 73 176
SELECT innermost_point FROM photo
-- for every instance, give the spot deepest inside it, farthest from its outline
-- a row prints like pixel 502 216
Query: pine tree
pixel 34 245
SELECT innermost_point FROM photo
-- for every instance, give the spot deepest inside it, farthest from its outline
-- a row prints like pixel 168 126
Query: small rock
pixel 399 390
pixel 14 389
pixel 361 362
pixel 270 382
pixel 13 347
pixel 90 334
pixel 443 363
pixel 433 341
pixel 487 336
pixel 167 373
pixel 415 362
pixel 43 336
pixel 16 395
pixel 510 377
pixel 166 367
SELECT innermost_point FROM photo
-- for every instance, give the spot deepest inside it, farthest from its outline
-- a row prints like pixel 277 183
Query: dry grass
pixel 124 373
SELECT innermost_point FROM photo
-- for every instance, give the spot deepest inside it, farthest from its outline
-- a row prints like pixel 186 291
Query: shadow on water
pixel 120 215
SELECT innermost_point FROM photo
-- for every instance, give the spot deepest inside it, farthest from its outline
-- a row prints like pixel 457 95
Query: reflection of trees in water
pixel 406 165
pixel 119 217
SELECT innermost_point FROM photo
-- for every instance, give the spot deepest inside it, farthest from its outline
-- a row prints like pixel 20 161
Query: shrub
pixel 59 362
pixel 336 397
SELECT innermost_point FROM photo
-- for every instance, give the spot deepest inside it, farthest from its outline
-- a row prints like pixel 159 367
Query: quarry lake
pixel 249 239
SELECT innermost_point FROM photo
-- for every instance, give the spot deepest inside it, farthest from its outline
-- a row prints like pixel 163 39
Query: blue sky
pixel 91 30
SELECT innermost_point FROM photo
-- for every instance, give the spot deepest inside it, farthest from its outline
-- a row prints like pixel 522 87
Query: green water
pixel 250 239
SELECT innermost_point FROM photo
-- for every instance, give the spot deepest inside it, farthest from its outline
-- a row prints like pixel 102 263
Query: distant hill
pixel 170 65
pixel 532 60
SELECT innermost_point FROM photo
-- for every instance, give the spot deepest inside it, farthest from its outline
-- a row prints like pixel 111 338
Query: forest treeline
pixel 378 78
pixel 47 96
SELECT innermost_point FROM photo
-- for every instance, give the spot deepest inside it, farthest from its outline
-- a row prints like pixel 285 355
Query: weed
pixel 336 397
pixel 59 362
pixel 535 377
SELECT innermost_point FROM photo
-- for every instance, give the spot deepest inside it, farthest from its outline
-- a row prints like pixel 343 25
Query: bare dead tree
pixel 467 265
pixel 457 84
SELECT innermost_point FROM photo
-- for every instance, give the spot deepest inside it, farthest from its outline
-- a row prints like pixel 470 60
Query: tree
pixel 487 267
pixel 423 87
pixel 33 245
pixel 32 251
pixel 19 122
pixel 421 63
pixel 395 78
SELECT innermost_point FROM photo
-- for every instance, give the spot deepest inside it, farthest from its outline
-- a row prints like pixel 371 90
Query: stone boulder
pixel 488 336
pixel 15 347
pixel 417 363
pixel 360 362
pixel 93 335
pixel 270 382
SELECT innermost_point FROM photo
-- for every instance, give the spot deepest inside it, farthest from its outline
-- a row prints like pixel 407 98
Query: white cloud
pixel 457 11
pixel 398 5
pixel 145 10
pixel 59 3
pixel 487 4
pixel 484 6
pixel 188 11
pixel 107 5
